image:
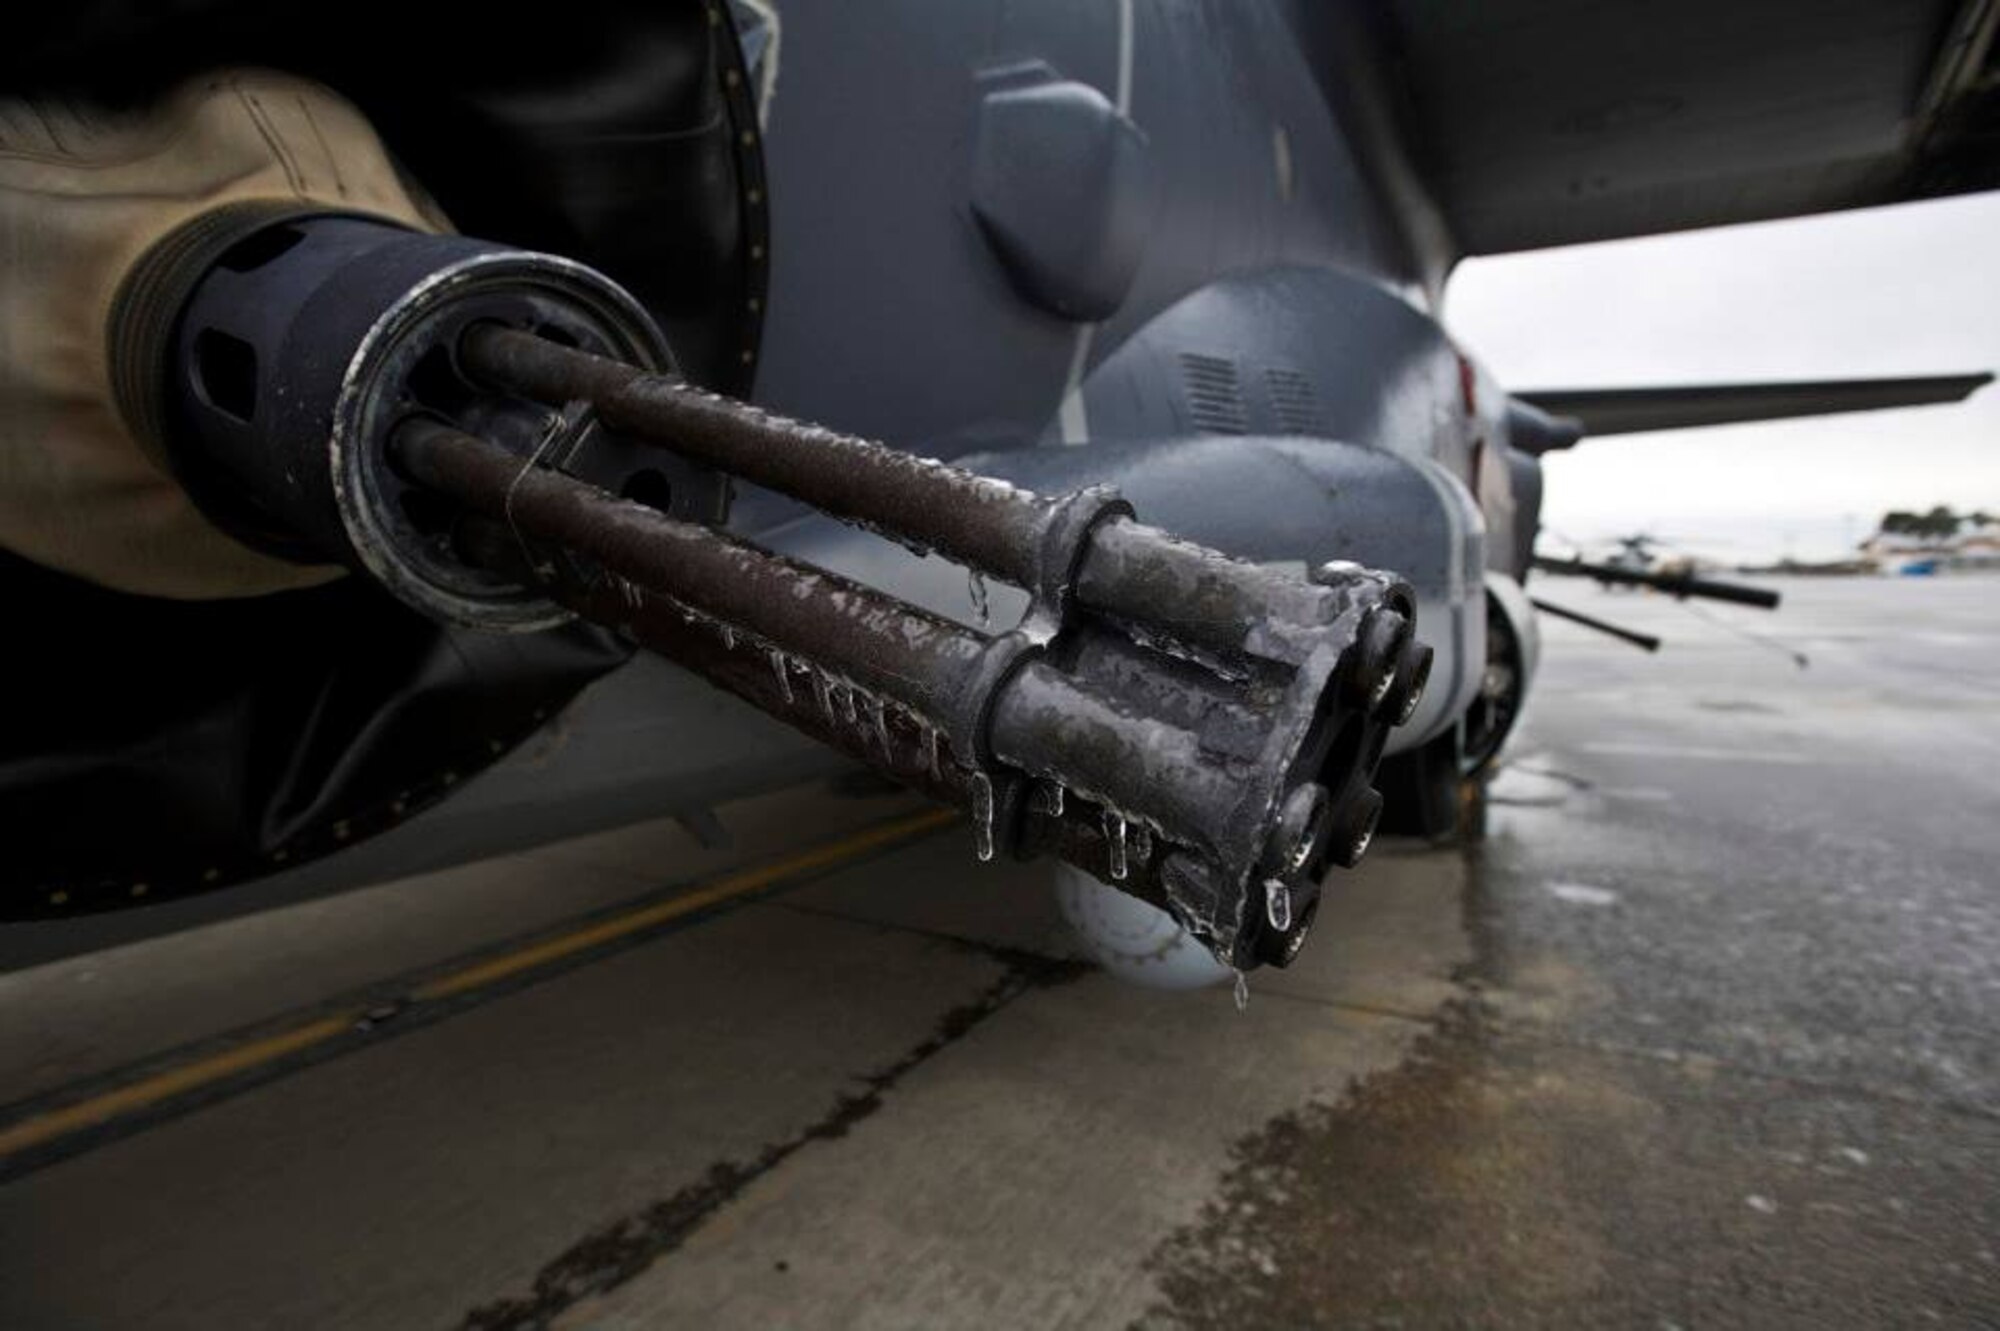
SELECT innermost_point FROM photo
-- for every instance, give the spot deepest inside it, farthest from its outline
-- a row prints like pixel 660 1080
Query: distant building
pixel 1975 546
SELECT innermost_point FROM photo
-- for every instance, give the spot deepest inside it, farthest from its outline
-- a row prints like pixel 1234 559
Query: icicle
pixel 1278 904
pixel 728 637
pixel 847 709
pixel 784 669
pixel 930 749
pixel 1052 798
pixel 982 815
pixel 823 693
pixel 881 717
pixel 1242 992
pixel 1114 842
pixel 975 586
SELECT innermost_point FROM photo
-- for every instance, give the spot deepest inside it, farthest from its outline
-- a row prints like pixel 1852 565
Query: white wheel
pixel 1133 940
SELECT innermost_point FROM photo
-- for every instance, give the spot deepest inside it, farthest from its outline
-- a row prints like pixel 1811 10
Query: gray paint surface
pixel 1290 259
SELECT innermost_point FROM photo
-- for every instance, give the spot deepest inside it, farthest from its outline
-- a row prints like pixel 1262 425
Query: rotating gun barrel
pixel 500 439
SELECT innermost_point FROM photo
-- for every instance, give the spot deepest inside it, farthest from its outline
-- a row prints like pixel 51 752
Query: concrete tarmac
pixel 1702 1034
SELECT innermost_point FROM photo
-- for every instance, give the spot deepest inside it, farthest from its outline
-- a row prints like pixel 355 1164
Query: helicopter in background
pixel 1639 552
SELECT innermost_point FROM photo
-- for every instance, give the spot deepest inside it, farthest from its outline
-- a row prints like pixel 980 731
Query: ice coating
pixel 1182 689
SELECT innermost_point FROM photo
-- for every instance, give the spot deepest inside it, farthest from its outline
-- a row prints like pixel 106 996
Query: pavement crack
pixel 1348 1005
pixel 1005 954
pixel 623 1248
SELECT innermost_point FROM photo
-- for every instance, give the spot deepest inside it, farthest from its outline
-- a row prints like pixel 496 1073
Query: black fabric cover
pixel 152 748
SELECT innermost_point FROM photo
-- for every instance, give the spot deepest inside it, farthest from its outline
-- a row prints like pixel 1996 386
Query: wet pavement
pixel 1729 1053
pixel 1702 1034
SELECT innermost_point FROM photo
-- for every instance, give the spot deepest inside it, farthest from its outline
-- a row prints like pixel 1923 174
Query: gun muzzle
pixel 499 439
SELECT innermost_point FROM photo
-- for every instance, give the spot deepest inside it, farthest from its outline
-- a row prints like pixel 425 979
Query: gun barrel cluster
pixel 502 439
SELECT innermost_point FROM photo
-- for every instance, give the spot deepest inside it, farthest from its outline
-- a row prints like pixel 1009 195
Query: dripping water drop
pixel 982 815
pixel 779 664
pixel 975 586
pixel 1278 904
pixel 880 714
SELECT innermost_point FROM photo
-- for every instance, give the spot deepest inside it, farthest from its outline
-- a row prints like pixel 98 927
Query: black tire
pixel 1422 792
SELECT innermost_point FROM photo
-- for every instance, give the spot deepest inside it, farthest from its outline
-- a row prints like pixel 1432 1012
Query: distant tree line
pixel 1939 522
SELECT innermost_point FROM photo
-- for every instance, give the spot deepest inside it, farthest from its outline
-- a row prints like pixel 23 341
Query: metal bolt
pixel 1336 571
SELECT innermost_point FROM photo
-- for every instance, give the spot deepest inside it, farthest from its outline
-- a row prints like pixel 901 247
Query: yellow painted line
pixel 149 1091
pixel 528 958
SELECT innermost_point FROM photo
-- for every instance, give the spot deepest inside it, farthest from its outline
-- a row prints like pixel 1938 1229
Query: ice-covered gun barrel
pixel 1680 583
pixel 499 438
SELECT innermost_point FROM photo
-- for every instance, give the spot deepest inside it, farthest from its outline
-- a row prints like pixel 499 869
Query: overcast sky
pixel 1913 289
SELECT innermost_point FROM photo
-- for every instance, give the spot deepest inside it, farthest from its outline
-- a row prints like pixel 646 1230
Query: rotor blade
pixel 1598 411
pixel 1645 642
